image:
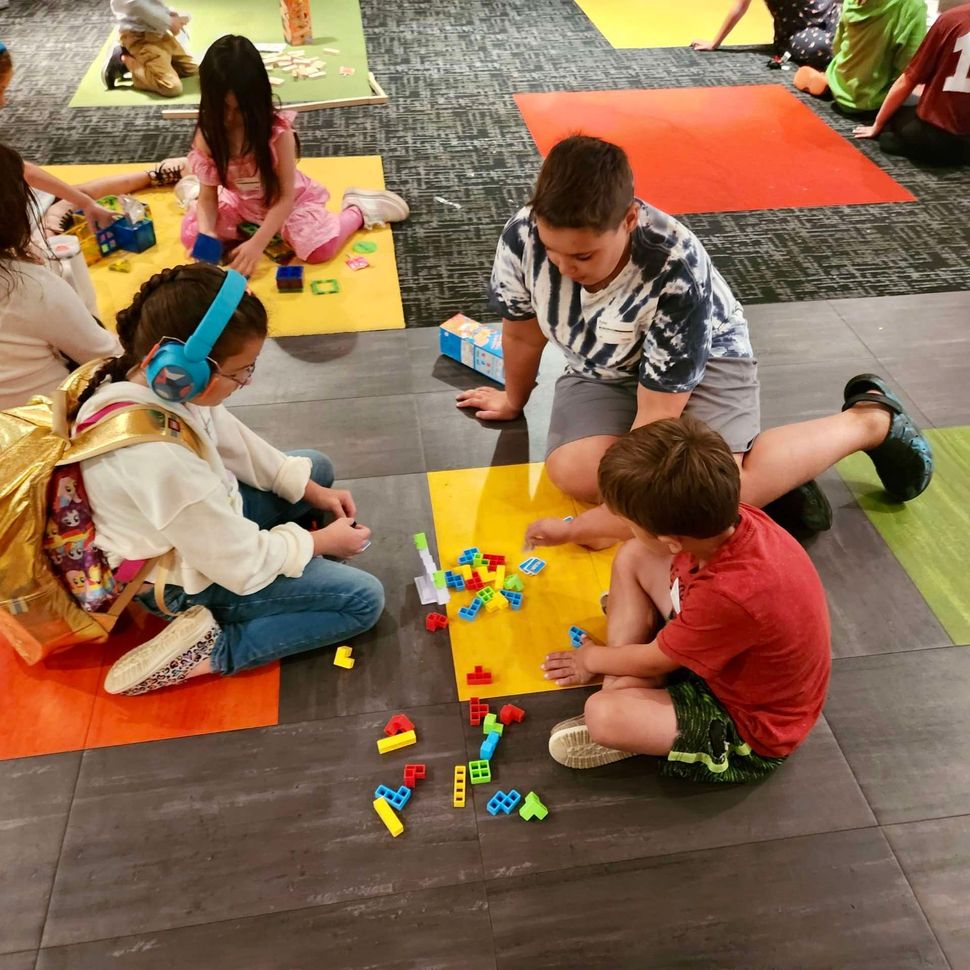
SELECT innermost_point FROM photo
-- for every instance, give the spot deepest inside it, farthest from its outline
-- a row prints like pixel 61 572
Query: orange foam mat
pixel 59 705
pixel 724 149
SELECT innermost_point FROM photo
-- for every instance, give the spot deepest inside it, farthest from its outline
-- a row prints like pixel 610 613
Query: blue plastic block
pixel 289 277
pixel 471 611
pixel 514 598
pixel 134 238
pixel 500 802
pixel 106 239
pixel 576 635
pixel 454 580
pixel 532 566
pixel 465 559
pixel 207 249
pixel 489 745
pixel 396 799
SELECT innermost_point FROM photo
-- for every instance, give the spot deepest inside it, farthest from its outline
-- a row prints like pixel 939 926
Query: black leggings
pixel 907 134
pixel 812 46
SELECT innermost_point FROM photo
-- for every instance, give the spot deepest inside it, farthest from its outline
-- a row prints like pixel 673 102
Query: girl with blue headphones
pixel 248 583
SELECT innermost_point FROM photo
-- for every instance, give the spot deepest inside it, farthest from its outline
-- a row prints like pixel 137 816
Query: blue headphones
pixel 179 371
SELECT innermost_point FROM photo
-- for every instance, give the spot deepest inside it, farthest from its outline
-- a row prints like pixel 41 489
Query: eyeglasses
pixel 246 372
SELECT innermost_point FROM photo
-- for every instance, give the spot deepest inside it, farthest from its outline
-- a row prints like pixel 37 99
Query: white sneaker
pixel 377 206
pixel 571 745
pixel 167 658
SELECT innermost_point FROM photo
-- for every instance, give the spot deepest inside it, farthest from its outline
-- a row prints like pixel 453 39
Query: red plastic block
pixel 510 713
pixel 476 711
pixel 397 724
pixel 478 676
pixel 475 583
pixel 435 621
pixel 493 560
pixel 414 773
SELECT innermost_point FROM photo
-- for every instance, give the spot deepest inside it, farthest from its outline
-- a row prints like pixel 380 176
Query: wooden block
pixel 402 740
pixel 277 80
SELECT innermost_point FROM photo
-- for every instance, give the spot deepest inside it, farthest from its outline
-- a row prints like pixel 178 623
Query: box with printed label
pixel 474 344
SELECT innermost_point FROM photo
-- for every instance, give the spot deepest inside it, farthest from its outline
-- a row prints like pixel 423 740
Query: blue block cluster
pixel 465 559
pixel 532 566
pixel 471 611
pixel 489 745
pixel 514 598
pixel 207 249
pixel 396 799
pixel 500 802
pixel 454 580
pixel 576 635
pixel 289 277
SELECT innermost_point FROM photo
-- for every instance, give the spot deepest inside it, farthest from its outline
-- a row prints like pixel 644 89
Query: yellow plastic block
pixel 466 572
pixel 401 740
pixel 458 800
pixel 343 657
pixel 492 605
pixel 499 578
pixel 501 603
pixel 389 817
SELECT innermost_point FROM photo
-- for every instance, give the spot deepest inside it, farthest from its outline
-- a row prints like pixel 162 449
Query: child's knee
pixel 370 601
pixel 321 468
pixel 574 478
pixel 324 253
pixel 169 87
pixel 598 712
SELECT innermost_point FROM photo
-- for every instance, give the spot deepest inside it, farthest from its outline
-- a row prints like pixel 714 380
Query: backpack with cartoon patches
pixel 56 586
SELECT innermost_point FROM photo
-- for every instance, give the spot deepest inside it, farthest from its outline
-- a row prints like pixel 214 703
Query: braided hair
pixel 172 304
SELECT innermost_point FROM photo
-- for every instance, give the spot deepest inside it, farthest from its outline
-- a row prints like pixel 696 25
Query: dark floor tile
pixel 874 606
pixel 24 960
pixel 627 811
pixel 797 333
pixel 181 833
pixel 398 662
pixel 935 856
pixel 937 381
pixel 889 325
pixel 325 367
pixel 441 928
pixel 35 798
pixel 901 720
pixel 833 900
pixel 364 436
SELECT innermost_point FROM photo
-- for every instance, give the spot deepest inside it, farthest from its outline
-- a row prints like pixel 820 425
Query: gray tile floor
pixel 259 848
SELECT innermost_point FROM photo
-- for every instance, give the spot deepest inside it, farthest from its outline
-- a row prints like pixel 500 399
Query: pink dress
pixel 308 227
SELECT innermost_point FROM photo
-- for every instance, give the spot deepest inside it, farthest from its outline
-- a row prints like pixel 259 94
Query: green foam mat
pixel 336 25
pixel 930 536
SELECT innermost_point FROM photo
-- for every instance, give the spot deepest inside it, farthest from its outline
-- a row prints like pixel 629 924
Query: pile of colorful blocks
pixel 484 574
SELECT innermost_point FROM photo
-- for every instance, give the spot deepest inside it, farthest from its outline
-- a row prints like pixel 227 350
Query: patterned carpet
pixel 451 129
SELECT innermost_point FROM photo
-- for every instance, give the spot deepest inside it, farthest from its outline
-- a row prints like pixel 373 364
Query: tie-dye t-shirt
pixel 665 314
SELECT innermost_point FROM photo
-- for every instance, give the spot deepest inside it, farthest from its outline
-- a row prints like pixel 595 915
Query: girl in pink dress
pixel 244 153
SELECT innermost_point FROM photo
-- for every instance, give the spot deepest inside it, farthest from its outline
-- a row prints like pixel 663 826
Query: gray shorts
pixel 726 400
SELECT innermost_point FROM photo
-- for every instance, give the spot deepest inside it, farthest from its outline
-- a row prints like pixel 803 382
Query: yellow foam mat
pixel 490 508
pixel 369 299
pixel 662 23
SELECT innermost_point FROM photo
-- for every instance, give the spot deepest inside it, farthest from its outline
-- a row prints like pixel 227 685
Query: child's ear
pixel 672 544
pixel 630 219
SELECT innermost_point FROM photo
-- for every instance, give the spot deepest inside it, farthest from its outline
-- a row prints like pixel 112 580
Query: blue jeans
pixel 329 603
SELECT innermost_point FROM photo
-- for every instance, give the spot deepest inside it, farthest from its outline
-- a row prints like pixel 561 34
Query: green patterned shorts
pixel 708 747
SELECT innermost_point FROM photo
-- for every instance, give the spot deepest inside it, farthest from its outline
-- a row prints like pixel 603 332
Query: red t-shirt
pixel 753 622
pixel 942 63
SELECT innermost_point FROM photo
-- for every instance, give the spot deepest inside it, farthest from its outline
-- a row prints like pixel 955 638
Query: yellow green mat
pixel 931 535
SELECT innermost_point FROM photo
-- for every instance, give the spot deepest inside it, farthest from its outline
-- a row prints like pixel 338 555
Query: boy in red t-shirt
pixel 718 651
pixel 937 128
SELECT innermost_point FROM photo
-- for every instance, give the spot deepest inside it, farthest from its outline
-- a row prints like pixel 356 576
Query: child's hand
pixel 246 257
pixel 490 404
pixel 568 667
pixel 702 45
pixel 548 532
pixel 98 216
pixel 341 539
pixel 865 131
pixel 337 501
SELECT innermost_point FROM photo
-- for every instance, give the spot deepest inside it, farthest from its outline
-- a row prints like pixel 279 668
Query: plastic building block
pixel 458 797
pixel 500 802
pixel 476 711
pixel 324 287
pixel 478 559
pixel 493 560
pixel 486 594
pixel 474 583
pixel 479 772
pixel 533 808
pixel 136 238
pixel 499 576
pixel 207 249
pixel 513 598
pixel 514 583
pixel 510 713
pixel 439 578
pixel 576 635
pixel 121 266
pixel 414 774
pixel 396 799
pixel 465 559
pixel 435 621
pixel 465 572
pixel 397 724
pixel 364 246
pixel 491 723
pixel 454 580
pixel 467 613
pixel 489 745
pixel 420 541
pixel 343 658
pixel 497 604
pixel 532 566
pixel 478 676
pixel 388 817
pixel 289 278
pixel 384 745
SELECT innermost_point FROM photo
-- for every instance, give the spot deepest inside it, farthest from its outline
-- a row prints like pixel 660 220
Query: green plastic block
pixel 514 583
pixel 439 579
pixel 533 808
pixel 479 772
pixel 492 723
pixel 478 559
pixel 420 541
pixel 365 246
pixel 486 594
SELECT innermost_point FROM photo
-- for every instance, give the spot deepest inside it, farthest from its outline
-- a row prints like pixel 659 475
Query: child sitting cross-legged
pixel 718 653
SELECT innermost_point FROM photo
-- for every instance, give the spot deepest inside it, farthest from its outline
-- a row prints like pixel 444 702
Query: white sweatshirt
pixel 149 498
pixel 146 16
pixel 41 318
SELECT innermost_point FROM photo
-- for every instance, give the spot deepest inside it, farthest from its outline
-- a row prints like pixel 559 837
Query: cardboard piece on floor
pixel 490 508
pixel 724 149
pixel 660 23
pixel 930 536
pixel 368 300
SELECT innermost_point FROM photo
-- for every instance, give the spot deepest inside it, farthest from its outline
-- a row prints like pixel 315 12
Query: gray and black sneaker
pixel 803 509
pixel 171 171
pixel 113 68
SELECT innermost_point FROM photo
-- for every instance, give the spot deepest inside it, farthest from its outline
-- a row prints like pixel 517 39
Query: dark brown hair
pixel 584 183
pixel 674 477
pixel 6 64
pixel 172 304
pixel 19 214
